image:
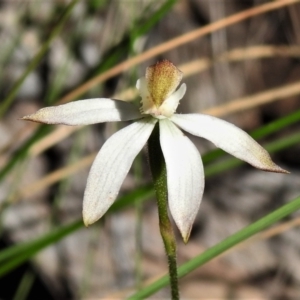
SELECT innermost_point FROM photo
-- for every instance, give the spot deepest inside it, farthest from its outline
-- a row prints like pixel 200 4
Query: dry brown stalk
pixel 52 178
pixel 255 100
pixel 176 42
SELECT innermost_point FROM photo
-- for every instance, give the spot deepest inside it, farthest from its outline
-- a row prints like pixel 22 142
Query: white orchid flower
pixel 185 174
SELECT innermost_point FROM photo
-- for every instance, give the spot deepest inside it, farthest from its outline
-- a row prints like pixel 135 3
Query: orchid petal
pixel 111 167
pixel 84 112
pixel 229 138
pixel 185 176
pixel 142 87
pixel 170 105
pixel 147 103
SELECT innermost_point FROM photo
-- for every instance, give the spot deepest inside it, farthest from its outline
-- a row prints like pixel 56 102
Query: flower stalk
pixel 159 174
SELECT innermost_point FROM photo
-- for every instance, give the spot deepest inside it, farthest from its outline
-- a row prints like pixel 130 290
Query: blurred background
pixel 247 73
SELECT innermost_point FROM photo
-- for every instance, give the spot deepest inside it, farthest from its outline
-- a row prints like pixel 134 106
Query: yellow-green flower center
pixel 162 79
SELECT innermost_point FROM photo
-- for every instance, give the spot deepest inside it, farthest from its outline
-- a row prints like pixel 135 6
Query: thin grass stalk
pixel 221 247
pixel 37 58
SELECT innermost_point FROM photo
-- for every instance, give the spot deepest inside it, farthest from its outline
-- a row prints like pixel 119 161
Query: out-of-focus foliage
pixel 43 169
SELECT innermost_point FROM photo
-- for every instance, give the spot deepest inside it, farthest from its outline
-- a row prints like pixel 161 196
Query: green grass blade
pixel 154 19
pixel 138 195
pixel 221 247
pixel 36 60
pixel 25 286
pixel 16 255
pixel 22 152
pixel 123 48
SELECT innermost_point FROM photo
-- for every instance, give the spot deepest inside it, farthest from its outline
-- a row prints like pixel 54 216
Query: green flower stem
pixel 158 169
